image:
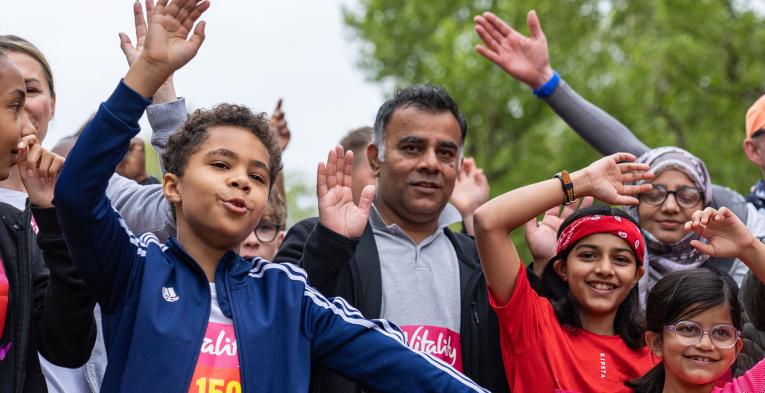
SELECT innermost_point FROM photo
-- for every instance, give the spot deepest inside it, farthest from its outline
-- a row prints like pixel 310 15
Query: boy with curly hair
pixel 191 315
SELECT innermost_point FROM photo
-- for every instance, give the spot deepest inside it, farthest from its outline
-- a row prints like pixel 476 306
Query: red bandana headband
pixel 615 225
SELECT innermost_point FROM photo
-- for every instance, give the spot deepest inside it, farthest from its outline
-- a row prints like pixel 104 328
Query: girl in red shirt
pixel 583 334
pixel 693 316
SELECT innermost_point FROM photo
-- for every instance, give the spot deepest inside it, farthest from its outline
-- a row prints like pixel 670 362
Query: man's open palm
pixel 337 211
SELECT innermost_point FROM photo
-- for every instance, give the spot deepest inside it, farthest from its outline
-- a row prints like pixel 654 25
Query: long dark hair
pixel 680 295
pixel 628 323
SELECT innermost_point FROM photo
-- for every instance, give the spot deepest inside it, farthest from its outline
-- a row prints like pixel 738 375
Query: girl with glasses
pixel 693 317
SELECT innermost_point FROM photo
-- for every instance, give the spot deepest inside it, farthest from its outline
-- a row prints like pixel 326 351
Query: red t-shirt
pixel 542 356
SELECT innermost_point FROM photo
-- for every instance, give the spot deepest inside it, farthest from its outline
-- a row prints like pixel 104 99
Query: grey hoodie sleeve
pixel 602 131
pixel 165 119
pixel 144 208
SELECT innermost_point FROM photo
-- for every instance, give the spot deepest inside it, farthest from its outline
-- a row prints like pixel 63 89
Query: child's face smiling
pixel 600 271
pixel 224 189
pixel 13 118
pixel 700 364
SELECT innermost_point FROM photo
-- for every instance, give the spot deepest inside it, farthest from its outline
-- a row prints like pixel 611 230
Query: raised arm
pixel 527 59
pixel 604 180
pixel 728 237
pixel 100 245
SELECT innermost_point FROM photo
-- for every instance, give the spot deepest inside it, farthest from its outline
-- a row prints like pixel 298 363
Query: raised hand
pixel 279 124
pixel 166 92
pixel 39 169
pixel 133 52
pixel 727 236
pixel 167 46
pixel 471 188
pixel 542 236
pixel 609 179
pixel 337 211
pixel 526 59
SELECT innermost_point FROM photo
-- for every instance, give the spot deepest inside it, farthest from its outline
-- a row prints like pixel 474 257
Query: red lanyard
pixel 3 297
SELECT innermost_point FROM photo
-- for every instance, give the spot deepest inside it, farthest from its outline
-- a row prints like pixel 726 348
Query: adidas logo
pixel 169 294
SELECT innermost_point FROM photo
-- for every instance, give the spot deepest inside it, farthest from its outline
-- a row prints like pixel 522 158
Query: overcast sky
pixel 255 52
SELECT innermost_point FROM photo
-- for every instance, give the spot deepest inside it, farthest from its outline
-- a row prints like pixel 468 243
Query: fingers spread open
pixel 492 32
pixel 194 15
pixel 487 38
pixel 185 10
pixel 174 7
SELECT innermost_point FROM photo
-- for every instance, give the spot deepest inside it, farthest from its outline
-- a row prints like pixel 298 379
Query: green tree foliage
pixel 679 72
pixel 301 197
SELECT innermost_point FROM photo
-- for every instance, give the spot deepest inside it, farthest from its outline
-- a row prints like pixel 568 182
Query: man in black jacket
pixel 396 258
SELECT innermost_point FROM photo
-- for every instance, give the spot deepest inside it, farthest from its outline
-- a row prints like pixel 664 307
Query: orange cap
pixel 755 117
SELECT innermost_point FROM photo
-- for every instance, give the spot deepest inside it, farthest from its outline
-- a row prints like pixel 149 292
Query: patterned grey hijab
pixel 666 258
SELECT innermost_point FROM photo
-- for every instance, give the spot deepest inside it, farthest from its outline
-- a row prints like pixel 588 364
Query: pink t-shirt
pixel 217 368
pixel 443 343
pixel 753 381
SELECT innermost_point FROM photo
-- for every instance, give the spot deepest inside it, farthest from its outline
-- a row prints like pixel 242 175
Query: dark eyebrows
pixel 590 246
pixel 596 248
pixel 231 155
pixel 448 145
pixel 410 139
pixel 222 152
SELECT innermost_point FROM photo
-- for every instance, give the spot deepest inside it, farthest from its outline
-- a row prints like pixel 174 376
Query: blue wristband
pixel 549 86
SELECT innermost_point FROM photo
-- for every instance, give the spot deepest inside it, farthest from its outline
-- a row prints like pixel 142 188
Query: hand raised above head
pixel 133 52
pixel 337 211
pixel 278 124
pixel 610 179
pixel 168 45
pixel 526 59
